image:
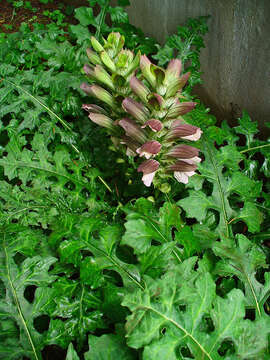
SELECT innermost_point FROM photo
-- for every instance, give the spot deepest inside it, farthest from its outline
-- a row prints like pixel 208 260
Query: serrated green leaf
pixel 90 273
pixel 253 339
pixel 140 235
pixel 246 127
pixel 71 353
pixel 164 54
pixel 104 250
pixel 38 166
pixel 201 206
pixel 243 261
pixel 158 325
pixel 229 156
pixel 58 54
pixel 15 307
pixel 143 227
pixel 251 216
pixel 188 240
pixel 196 205
pixel 85 16
pixel 156 259
pixel 76 315
pixel 104 247
pixel 244 186
pixel 108 347
pixel 118 14
pixel 80 32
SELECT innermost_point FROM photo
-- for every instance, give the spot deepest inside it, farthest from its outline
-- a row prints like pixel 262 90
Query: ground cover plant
pixel 96 263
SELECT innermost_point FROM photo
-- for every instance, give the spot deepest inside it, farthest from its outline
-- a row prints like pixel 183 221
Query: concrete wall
pixel 236 60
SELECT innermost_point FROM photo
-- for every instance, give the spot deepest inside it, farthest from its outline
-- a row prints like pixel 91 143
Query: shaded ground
pixel 12 17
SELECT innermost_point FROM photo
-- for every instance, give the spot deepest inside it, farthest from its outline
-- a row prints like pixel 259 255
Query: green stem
pixel 102 17
pixel 104 183
pixel 254 148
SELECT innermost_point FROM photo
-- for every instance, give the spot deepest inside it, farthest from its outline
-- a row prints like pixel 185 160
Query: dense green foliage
pixel 94 263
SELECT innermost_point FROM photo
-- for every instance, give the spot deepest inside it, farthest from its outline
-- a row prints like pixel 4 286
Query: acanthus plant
pixel 143 110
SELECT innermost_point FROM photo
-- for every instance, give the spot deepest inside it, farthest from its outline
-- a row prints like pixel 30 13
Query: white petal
pixel 144 153
pixel 130 152
pixel 192 161
pixel 196 159
pixel 148 178
pixel 183 176
pixel 193 137
pixel 190 173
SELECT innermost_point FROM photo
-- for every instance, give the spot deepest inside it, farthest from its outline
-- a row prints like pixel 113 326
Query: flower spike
pixel 182 171
pixel 96 45
pixel 156 128
pixel 102 76
pixel 89 71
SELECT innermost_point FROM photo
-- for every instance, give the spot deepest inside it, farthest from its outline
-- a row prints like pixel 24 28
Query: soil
pixel 15 16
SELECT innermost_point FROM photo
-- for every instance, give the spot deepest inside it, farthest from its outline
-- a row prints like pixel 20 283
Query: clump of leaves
pixel 226 194
pixel 181 314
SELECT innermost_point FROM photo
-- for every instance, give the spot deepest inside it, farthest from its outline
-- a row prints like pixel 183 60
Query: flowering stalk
pixel 143 109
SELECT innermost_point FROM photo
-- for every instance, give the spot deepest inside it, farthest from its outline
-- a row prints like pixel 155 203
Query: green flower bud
pixel 107 61
pixel 102 76
pixel 96 45
pixel 93 57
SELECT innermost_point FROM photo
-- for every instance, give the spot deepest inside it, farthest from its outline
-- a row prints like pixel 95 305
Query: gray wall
pixel 236 60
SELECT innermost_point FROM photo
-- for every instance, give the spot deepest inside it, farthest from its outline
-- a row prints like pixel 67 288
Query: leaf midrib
pixel 221 194
pixel 25 165
pixel 151 222
pixel 113 261
pixel 181 328
pixel 14 293
pixel 250 285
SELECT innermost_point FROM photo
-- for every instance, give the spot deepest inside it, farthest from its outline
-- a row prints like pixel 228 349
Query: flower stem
pixel 254 148
pixel 104 182
pixel 102 18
